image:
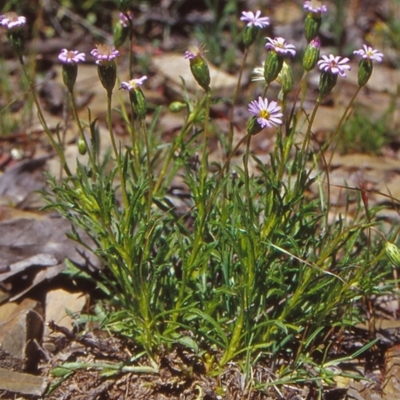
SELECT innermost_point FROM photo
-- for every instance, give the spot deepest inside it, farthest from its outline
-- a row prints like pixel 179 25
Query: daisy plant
pixel 229 258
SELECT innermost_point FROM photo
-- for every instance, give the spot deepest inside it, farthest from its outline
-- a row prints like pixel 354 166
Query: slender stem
pixel 306 141
pixel 81 133
pixel 247 178
pixel 177 142
pixel 337 130
pixel 303 80
pixel 149 168
pixel 42 120
pixel 223 169
pixel 204 157
pixel 235 94
pixel 116 153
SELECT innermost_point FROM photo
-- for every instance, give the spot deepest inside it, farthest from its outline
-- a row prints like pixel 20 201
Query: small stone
pixel 60 305
pixel 22 384
pixel 22 327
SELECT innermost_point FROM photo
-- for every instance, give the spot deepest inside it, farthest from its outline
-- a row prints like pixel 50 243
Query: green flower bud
pixel 285 78
pixel 69 74
pixel 82 146
pixel 108 75
pixel 199 67
pixel 311 55
pixel 364 71
pixel 177 106
pixel 312 25
pixel 253 127
pixel 272 66
pixel 139 103
pixel 393 254
pixel 327 82
pixel 201 73
pixel 120 34
pixel 16 38
pixel 249 35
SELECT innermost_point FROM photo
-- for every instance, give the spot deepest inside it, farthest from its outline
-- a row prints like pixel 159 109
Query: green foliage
pixel 250 269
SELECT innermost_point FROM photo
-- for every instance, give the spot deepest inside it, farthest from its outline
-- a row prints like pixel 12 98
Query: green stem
pixel 149 168
pixel 177 142
pixel 81 133
pixel 42 121
pixel 116 153
pixel 235 94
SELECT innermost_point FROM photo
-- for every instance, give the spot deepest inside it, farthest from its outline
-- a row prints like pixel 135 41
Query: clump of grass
pixel 251 269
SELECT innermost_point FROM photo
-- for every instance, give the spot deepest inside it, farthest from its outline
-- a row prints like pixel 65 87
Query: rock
pixel 60 305
pixel 22 327
pixel 22 384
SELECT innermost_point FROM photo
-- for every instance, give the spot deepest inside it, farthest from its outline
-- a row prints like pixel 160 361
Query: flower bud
pixel 108 75
pixel 249 35
pixel 393 254
pixel 69 74
pixel 177 106
pixel 253 127
pixel 82 146
pixel 16 39
pixel 272 66
pixel 364 71
pixel 311 55
pixel 200 71
pixel 312 25
pixel 139 103
pixel 285 78
pixel 120 34
pixel 327 82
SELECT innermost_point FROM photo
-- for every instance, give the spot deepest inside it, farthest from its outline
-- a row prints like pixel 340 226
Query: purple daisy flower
pixel 133 83
pixel 11 20
pixel 369 53
pixel 254 19
pixel 335 65
pixel 71 56
pixel 104 53
pixel 280 46
pixel 314 6
pixel 268 113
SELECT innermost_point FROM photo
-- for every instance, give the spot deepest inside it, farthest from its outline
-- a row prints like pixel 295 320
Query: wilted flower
pixel 254 19
pixel 198 66
pixel 335 65
pixel 280 46
pixel 311 54
pixel 369 53
pixel 104 53
pixel 133 83
pixel 71 56
pixel 70 59
pixel 194 52
pixel 314 6
pixel 136 95
pixel 11 20
pixel 124 18
pixel 365 67
pixel 268 114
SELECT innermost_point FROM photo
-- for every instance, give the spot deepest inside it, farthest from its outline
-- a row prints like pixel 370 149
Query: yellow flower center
pixel 264 114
